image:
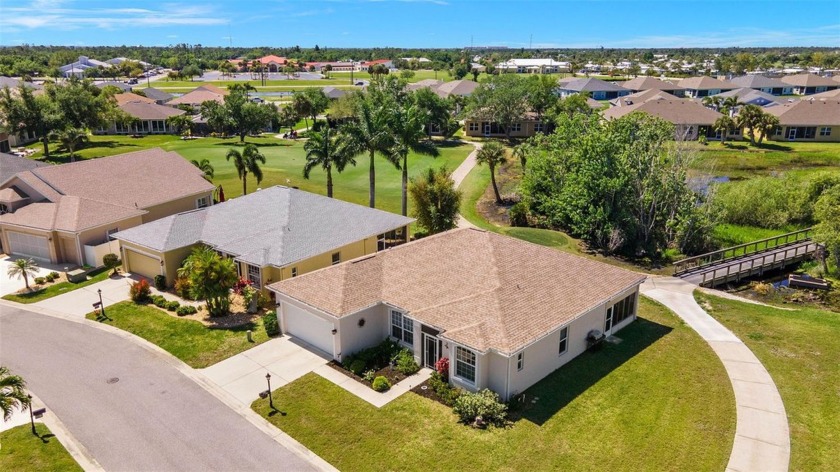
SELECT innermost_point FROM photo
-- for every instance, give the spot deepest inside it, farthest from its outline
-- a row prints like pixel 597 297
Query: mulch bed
pixel 393 375
pixel 426 391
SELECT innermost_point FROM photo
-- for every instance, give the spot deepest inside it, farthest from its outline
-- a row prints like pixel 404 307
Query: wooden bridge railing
pixel 737 270
pixel 723 255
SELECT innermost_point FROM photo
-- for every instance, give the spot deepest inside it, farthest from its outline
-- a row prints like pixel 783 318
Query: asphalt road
pixel 153 418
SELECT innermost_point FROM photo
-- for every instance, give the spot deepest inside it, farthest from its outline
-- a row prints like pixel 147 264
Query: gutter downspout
pixel 507 382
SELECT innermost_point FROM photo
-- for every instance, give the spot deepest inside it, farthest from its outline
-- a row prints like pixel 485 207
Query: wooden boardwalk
pixel 746 260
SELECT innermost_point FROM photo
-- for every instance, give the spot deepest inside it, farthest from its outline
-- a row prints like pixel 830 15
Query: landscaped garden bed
pixel 55 283
pixel 380 366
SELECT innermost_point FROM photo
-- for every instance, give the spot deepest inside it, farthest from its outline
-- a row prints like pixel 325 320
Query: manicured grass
pixel 740 160
pixel 728 235
pixel 192 342
pixel 335 79
pixel 660 400
pixel 20 450
pixel 800 349
pixel 284 165
pixel 54 289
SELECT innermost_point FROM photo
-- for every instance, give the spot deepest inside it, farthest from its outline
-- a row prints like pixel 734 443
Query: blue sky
pixel 423 23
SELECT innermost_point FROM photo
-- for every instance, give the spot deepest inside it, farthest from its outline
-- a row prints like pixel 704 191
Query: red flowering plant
pixel 442 368
pixel 241 284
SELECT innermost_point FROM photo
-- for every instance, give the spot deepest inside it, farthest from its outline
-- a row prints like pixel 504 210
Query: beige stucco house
pixel 505 312
pixel 68 213
pixel 273 234
pixel 809 119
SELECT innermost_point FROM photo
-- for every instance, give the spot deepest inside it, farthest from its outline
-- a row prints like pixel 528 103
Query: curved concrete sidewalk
pixel 459 174
pixel 762 436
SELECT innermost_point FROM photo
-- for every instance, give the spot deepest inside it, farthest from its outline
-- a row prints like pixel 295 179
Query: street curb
pixel 76 449
pixel 244 411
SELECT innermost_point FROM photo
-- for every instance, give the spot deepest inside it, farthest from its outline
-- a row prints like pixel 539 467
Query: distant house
pixel 10 165
pixel 336 66
pixel 364 65
pixel 703 86
pixel 532 66
pixel 504 312
pixel 149 117
pixel 425 83
pixel 690 118
pixel 642 96
pixel 809 84
pixel 484 126
pixel 79 67
pixel 200 95
pixel 640 84
pixel 13 83
pixel 273 234
pixel 273 63
pixel 68 213
pixel 334 93
pixel 751 96
pixel 596 88
pixel 460 88
pixel 807 120
pixel 159 96
pixel 110 83
pixel 119 60
pixel 826 95
pixel 763 84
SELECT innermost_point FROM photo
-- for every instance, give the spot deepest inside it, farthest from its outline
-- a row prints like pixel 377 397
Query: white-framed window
pixel 825 131
pixel 465 364
pixel 538 127
pixel 564 341
pixel 336 258
pixel 473 126
pixel 402 327
pixel 202 202
pixel 516 127
pixel 520 361
pixel 777 131
pixel 109 233
pixel 255 275
pixel 294 272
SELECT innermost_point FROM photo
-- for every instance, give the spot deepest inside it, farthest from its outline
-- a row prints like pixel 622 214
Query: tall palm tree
pixel 12 393
pixel 247 161
pixel 367 134
pixel 407 130
pixel 325 149
pixel 24 268
pixel 71 139
pixel 206 167
pixel 723 125
pixel 492 154
pixel 713 101
pixel 729 104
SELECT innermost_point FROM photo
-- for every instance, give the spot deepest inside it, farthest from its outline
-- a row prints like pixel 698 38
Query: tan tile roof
pixel 200 95
pixel 643 96
pixel 71 214
pixel 808 80
pixel 649 83
pixel 808 112
pixel 12 194
pixel 829 94
pixel 705 83
pixel 456 87
pixel 128 97
pixel 481 289
pixel 150 111
pixel 677 111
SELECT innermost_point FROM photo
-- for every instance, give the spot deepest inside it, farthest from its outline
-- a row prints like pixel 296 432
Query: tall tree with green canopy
pixel 722 125
pixel 750 118
pixel 317 102
pixel 22 112
pixel 542 94
pixel 326 150
pixel 492 154
pixel 367 134
pixel 436 200
pixel 406 136
pixel 247 161
pixel 211 278
pixel 503 100
pixel 438 111
pixel 244 116
pixel 83 105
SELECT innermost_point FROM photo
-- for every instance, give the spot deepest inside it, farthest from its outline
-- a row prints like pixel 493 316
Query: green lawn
pixel 194 343
pixel 660 400
pixel 20 450
pixel 740 160
pixel 284 165
pixel 800 349
pixel 335 79
pixel 53 289
pixel 732 235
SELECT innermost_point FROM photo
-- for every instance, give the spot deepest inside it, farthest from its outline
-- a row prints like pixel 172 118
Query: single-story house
pixel 809 84
pixel 704 86
pixel 200 95
pixel 273 234
pixel 505 312
pixel 159 96
pixel 334 93
pixel 79 67
pixel 641 96
pixel 119 60
pixel 533 66
pixel 10 165
pixel 640 84
pixel 751 96
pixel 14 83
pixel 68 213
pixel 461 88
pixel 111 83
pixel 273 63
pixel 598 89
pixel 336 66
pixel 690 118
pixel 478 126
pixel 150 119
pixel 826 95
pixel 425 83
pixel 808 119
pixel 762 84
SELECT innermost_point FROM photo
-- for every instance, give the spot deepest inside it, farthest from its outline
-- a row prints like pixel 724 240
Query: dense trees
pixel 503 100
pixel 310 103
pixel 827 230
pixel 436 200
pixel 238 114
pixel 21 111
pixel 756 122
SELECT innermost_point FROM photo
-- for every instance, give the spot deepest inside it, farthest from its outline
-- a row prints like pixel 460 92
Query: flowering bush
pixel 140 291
pixel 442 368
pixel 241 284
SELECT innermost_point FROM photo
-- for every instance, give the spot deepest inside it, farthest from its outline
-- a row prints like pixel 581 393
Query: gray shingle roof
pixel 274 226
pixel 592 85
pixel 11 165
pixel 157 95
pixel 758 81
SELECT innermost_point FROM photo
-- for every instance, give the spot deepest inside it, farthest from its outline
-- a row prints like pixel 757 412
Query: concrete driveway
pixel 79 302
pixel 12 285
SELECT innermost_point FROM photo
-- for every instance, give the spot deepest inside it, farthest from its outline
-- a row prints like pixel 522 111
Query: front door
pixel 792 133
pixel 487 129
pixel 609 322
pixel 430 343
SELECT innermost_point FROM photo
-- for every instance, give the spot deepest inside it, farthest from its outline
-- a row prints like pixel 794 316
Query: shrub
pixel 442 368
pixel 184 310
pixel 160 282
pixel 447 393
pixel 485 404
pixel 40 280
pixel 518 214
pixel 111 261
pixel 358 367
pixel 272 327
pixel 54 275
pixel 159 301
pixel 140 291
pixel 380 384
pixel 173 305
pixel 763 289
pixel 240 285
pixel 369 376
pixel 183 288
pixel 406 363
pixel 49 278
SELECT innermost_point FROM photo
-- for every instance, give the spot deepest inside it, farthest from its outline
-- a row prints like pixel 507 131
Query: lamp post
pixel 270 400
pixel 101 305
pixel 31 416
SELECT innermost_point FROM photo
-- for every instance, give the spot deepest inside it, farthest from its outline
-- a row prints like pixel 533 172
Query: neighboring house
pixel 110 83
pixel 200 95
pixel 690 118
pixel 5 146
pixel 338 66
pixel 363 66
pixel 79 67
pixel 10 165
pixel 640 84
pixel 505 312
pixel 763 84
pixel 334 93
pixel 119 60
pixel 460 88
pixel 704 86
pixel 478 126
pixel 273 234
pixel 639 97
pixel 149 117
pixel 596 88
pixel 425 83
pixel 68 213
pixel 13 140
pixel 808 119
pixel 809 84
pixel 159 96
pixel 826 95
pixel 750 96
pixel 13 83
pixel 533 66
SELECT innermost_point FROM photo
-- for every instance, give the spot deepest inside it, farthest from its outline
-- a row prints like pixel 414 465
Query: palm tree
pixel 71 138
pixel 713 101
pixel 205 167
pixel 367 134
pixel 723 125
pixel 492 154
pixel 247 161
pixel 521 152
pixel 12 393
pixel 728 104
pixel 182 123
pixel 407 130
pixel 23 268
pixel 325 149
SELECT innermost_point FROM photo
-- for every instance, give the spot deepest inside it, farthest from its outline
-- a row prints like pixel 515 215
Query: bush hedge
pixel 160 282
pixel 484 404
pixel 272 327
pixel 184 310
pixel 173 305
pixel 40 280
pixel 406 364
pixel 380 384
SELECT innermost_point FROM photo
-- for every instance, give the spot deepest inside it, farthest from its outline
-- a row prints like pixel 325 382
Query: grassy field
pixel 335 79
pixel 284 165
pixel 51 290
pixel 194 343
pixel 800 349
pixel 639 405
pixel 732 235
pixel 20 450
pixel 739 160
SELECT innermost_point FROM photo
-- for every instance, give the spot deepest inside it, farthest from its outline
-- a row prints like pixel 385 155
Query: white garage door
pixel 309 328
pixel 22 244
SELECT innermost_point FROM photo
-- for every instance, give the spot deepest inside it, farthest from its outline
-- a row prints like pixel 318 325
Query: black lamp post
pixel 31 416
pixel 101 305
pixel 270 399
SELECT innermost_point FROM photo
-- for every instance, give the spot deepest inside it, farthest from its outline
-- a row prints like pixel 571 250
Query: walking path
pixel 762 435
pixel 459 174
